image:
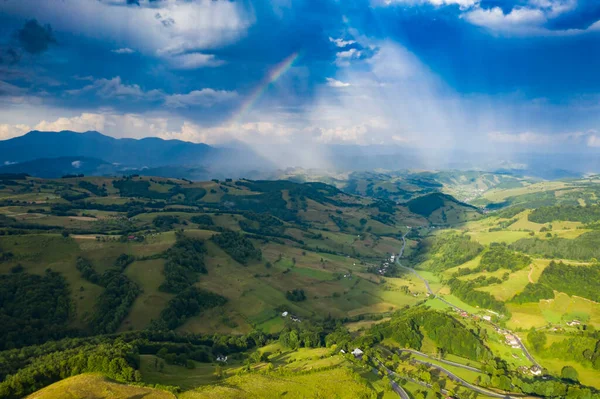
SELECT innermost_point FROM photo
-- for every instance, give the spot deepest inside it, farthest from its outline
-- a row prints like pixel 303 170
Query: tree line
pixel 114 303
pixel 573 280
pixel 238 246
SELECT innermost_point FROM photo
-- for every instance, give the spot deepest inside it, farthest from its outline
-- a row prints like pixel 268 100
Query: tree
pixel 569 373
pixel 294 340
pixel 537 339
pixel 189 364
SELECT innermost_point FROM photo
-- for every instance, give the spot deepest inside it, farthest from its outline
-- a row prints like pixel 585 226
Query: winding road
pixel 451 376
pixel 464 366
pixel 397 388
pixel 462 382
pixel 432 294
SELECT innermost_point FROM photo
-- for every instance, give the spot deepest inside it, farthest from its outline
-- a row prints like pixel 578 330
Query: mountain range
pixel 53 154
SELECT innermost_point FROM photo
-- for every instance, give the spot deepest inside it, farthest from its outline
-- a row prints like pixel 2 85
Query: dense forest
pixel 189 302
pixel 33 309
pixel 573 280
pixel 448 334
pixel 498 256
pixel 573 213
pixel 465 290
pixel 584 350
pixel 584 247
pixel 238 246
pixel 184 260
pixel 447 250
pixel 533 292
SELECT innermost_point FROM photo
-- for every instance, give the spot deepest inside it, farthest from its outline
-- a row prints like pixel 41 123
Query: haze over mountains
pixel 53 154
pixel 50 154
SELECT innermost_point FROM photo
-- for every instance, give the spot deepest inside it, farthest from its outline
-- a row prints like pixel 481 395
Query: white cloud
pixel 124 50
pixel 520 138
pixel 518 18
pixel 194 61
pixel 166 28
pixel 401 139
pixel 344 134
pixel 76 164
pixel 9 131
pixel 343 58
pixel 81 123
pixel 593 141
pixel 336 83
pixel 249 132
pixel 529 19
pixel 342 42
pixel 462 4
pixel 562 140
pixel 115 88
pixel 203 98
pixel 554 7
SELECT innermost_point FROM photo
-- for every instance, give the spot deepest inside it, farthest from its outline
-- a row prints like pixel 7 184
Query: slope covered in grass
pixel 337 383
pixel 98 387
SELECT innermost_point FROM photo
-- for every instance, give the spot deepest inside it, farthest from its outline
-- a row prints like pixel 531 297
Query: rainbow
pixel 275 73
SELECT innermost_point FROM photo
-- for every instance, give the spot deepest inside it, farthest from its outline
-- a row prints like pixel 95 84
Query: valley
pixel 252 288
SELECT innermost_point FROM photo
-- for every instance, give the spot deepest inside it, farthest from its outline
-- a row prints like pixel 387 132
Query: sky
pixel 431 75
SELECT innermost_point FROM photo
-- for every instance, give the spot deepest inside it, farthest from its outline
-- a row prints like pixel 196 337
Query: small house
pixel 284 314
pixel 512 341
pixel 535 370
pixel 221 358
pixel 357 353
pixel 487 318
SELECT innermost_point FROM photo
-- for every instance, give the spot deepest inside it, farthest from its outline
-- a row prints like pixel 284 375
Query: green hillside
pixel 148 283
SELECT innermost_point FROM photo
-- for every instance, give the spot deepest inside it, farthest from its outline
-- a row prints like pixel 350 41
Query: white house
pixel 487 318
pixel 284 314
pixel 535 370
pixel 221 358
pixel 357 353
pixel 512 341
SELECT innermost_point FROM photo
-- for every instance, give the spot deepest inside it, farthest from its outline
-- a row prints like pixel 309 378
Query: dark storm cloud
pixel 9 56
pixel 35 38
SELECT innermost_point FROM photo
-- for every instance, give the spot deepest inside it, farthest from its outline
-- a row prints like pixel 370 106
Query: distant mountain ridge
pixel 149 152
pixel 28 154
pixel 56 167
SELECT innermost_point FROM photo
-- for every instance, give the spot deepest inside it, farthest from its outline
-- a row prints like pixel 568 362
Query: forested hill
pixel 442 208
